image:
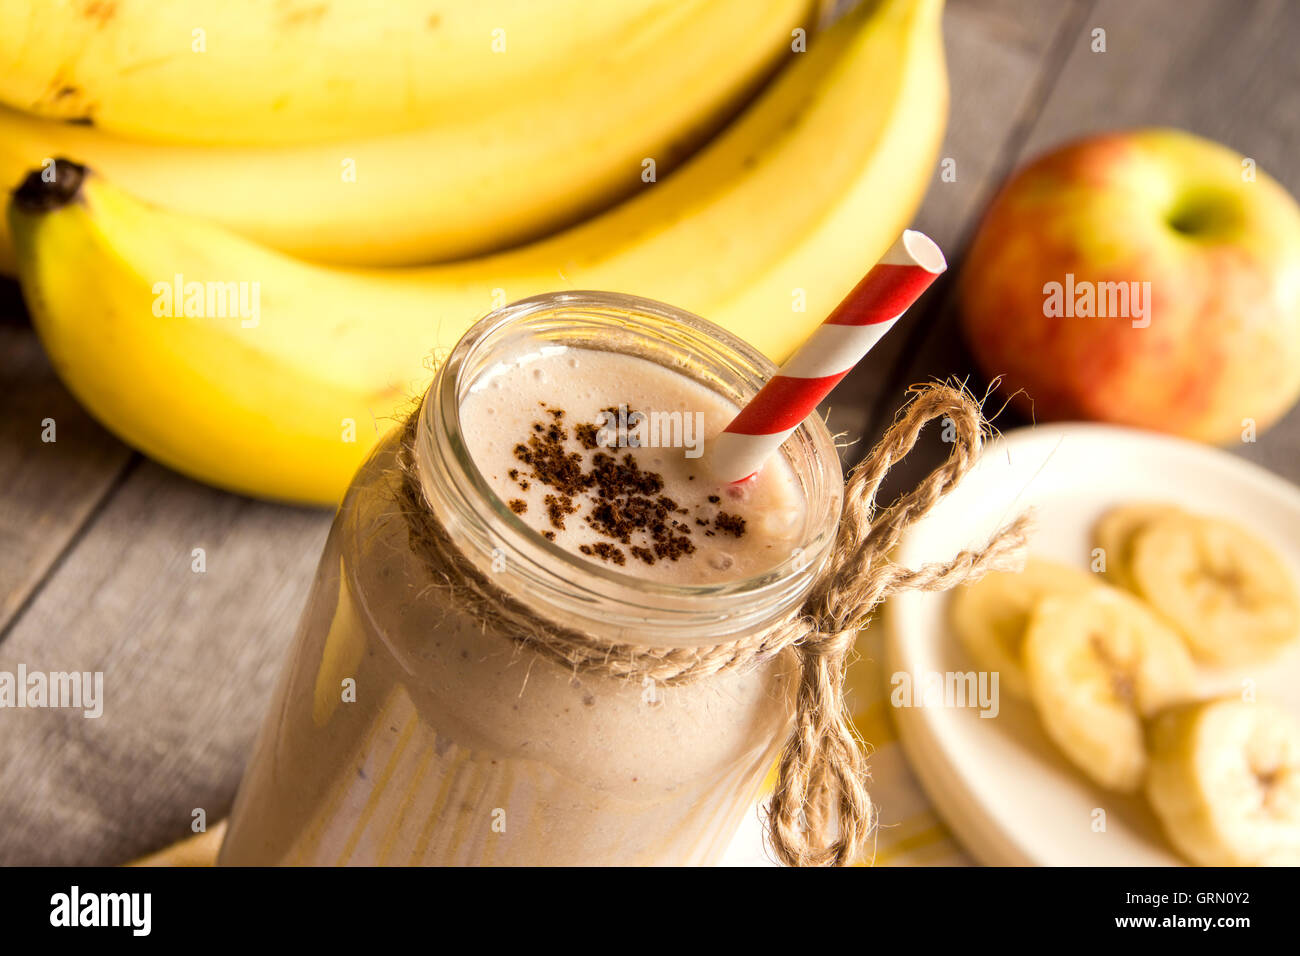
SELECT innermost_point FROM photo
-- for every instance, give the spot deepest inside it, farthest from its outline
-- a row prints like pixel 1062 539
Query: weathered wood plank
pixel 1224 70
pixel 48 489
pixel 188 660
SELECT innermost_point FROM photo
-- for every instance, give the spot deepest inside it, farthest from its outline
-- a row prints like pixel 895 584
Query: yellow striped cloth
pixel 910 832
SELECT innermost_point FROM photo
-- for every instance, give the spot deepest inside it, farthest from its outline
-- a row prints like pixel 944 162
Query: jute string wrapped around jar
pixel 821 813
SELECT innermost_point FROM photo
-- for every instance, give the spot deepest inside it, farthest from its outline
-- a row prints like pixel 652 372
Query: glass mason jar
pixel 404 732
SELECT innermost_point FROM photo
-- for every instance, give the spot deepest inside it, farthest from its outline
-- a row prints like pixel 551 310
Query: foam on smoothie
pixel 547 428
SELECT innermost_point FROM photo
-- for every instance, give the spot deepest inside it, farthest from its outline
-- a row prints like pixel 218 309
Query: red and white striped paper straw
pixel 857 324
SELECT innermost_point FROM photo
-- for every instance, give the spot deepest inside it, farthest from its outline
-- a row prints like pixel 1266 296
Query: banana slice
pixel 990 616
pixel 1227 591
pixel 1115 533
pixel 1099 662
pixel 1225 782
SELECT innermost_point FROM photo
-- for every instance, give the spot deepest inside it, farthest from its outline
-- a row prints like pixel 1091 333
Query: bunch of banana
pixel 1225 590
pixel 763 231
pixel 248 72
pixel 396 134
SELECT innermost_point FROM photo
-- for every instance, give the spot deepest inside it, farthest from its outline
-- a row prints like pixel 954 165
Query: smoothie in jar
pixel 564 449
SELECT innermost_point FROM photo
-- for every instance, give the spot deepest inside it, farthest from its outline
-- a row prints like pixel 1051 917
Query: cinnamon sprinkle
pixel 624 503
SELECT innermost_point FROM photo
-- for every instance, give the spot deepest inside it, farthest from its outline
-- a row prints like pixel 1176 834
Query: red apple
pixel 1148 278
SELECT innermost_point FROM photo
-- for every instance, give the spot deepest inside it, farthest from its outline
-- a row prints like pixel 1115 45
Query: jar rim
pixel 483 520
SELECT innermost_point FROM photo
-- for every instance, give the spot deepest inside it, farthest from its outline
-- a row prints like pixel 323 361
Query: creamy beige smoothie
pixel 569 417
pixel 403 732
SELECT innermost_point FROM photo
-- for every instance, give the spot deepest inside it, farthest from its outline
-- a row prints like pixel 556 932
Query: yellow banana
pixel 253 72
pixel 529 162
pixel 254 390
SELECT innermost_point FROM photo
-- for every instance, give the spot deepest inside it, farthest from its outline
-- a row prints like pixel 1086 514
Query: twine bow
pixel 821 813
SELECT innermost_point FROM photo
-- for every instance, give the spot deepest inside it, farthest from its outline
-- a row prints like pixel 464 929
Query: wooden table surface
pixel 96 542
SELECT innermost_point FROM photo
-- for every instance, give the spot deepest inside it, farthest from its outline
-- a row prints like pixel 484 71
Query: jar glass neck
pixel 616 605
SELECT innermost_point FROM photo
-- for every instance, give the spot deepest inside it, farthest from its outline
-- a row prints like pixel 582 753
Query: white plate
pixel 1005 791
